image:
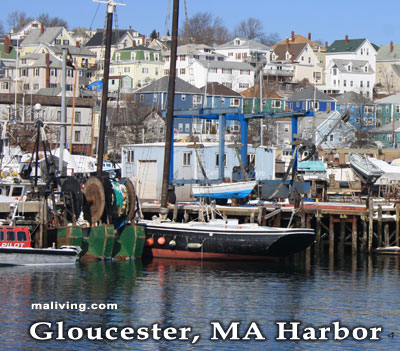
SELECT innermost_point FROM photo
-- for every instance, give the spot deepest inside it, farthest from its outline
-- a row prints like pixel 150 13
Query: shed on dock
pixel 143 163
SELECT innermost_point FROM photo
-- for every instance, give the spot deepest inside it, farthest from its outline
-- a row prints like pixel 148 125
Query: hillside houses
pixel 297 74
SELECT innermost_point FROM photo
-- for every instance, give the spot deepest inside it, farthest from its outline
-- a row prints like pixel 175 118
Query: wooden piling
pixel 354 236
pixel 331 235
pixel 318 233
pixel 342 236
pixel 386 234
pixel 175 213
pixel 371 226
pixel 397 224
pixel 380 225
pixel 365 236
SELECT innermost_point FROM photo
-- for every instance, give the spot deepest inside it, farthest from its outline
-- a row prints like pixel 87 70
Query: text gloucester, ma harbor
pixel 286 331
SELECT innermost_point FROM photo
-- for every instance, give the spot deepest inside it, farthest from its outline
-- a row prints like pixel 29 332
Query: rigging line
pixel 95 14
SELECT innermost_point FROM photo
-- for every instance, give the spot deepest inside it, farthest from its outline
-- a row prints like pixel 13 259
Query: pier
pixel 361 226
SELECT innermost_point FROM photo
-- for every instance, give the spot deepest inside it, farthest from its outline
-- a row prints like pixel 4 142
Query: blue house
pixel 309 99
pixel 362 110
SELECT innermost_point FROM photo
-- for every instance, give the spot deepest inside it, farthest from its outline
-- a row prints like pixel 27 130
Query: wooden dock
pixel 363 225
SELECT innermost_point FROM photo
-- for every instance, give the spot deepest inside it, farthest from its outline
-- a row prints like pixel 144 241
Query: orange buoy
pixel 150 242
pixel 161 241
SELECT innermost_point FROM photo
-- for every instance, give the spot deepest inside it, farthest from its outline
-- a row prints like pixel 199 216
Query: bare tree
pixel 204 28
pixel 16 18
pixel 2 31
pixel 363 138
pixel 52 21
pixel 251 28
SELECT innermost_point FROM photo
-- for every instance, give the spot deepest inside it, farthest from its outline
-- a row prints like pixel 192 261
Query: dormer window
pixel 132 56
pixel 366 68
pixel 287 56
pixel 349 68
pixel 237 42
pixel 118 56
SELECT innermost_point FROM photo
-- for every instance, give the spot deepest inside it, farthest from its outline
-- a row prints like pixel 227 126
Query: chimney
pixel 47 70
pixel 309 36
pixel 287 43
pixel 292 58
pixel 391 46
pixel 21 21
pixel 143 40
pixel 41 28
pixel 292 36
pixel 130 28
pixel 78 44
pixel 7 42
pixel 347 39
pixel 326 45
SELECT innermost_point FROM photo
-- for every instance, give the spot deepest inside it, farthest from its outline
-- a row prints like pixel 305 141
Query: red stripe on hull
pixel 189 255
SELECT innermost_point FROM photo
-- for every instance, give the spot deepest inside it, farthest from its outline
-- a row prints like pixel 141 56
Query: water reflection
pixel 357 290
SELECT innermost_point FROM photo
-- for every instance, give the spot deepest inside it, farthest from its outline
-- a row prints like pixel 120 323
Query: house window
pixel 58 116
pixel 228 85
pixel 264 101
pixel 366 68
pixel 244 85
pixel 182 71
pixel 4 85
pixel 36 86
pixel 65 42
pixel 183 97
pixel 155 97
pixel 275 103
pixel 217 160
pixel 182 58
pixel 77 135
pixel 213 70
pixel 146 56
pixel 187 127
pixel 130 156
pixel 235 102
pixel 348 68
pixel 197 99
pixel 344 83
pixel 77 117
pixel 186 158
pixel 180 127
pixel 397 108
pixel 24 73
pixel 157 57
pixel 222 100
pixel 361 83
pixel 331 137
pixel 26 86
pixel 367 83
pixel 127 69
pixel 334 71
pixel 133 54
pixel 58 41
pixel 141 98
pixel 351 83
pixel 36 72
pixel 145 70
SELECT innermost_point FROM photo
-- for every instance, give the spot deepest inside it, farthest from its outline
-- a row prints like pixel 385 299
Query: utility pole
pixel 103 116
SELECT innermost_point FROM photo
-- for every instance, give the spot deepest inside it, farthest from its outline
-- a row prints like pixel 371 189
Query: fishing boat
pixel 216 239
pixel 364 168
pixel 16 250
pixel 237 190
pixel 223 239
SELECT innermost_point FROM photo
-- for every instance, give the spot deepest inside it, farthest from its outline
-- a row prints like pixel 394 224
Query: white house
pixel 350 66
pixel 244 50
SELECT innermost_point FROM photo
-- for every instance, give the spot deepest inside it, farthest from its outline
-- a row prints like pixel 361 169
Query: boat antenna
pixel 170 109
pixel 103 116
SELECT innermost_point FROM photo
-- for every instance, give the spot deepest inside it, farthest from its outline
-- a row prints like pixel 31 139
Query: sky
pixel 325 20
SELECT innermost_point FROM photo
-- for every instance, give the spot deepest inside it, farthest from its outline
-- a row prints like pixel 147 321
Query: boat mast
pixel 106 72
pixel 170 109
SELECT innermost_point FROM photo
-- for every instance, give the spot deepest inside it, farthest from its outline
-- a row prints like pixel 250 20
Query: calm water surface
pixel 179 293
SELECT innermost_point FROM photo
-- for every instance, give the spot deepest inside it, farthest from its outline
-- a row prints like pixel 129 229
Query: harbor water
pixel 356 292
